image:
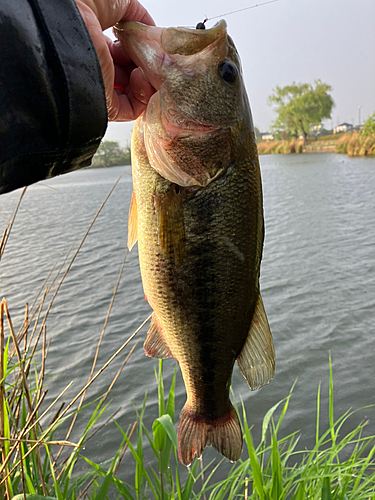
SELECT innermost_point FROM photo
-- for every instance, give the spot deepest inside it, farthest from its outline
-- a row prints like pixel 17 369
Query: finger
pixel 140 87
pixel 122 10
pixel 122 78
pixel 118 54
pixel 126 107
pixel 136 12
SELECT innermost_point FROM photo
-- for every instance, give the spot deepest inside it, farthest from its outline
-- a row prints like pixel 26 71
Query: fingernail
pixel 143 73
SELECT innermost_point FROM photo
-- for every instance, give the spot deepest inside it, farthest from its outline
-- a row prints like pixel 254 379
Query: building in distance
pixel 343 127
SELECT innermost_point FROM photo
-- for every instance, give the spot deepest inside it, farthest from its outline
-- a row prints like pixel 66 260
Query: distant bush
pixel 369 125
pixel 357 143
pixel 110 154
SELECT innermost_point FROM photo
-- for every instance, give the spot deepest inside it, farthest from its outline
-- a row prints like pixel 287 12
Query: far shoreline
pixel 352 144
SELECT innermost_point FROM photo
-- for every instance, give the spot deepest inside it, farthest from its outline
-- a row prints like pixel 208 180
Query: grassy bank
pixel 356 144
pixel 352 144
pixel 316 145
pixel 40 460
pixel 280 147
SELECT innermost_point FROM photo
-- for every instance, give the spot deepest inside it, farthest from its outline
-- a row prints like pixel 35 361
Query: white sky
pixel 286 41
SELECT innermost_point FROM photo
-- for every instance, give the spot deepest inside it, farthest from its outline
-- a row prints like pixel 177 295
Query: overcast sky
pixel 286 41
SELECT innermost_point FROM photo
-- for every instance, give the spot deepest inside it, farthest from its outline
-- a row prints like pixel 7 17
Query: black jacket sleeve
pixel 52 101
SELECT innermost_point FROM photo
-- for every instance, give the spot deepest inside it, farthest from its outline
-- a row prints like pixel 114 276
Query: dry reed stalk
pixel 57 413
pixel 19 357
pixel 63 277
pixel 22 471
pixel 39 311
pixel 23 432
pixel 25 388
pixel 43 367
pixel 101 404
pixel 83 493
pixel 28 421
pixel 105 366
pixel 26 321
pixel 116 467
pixel 97 348
pixel 54 442
pixel 246 487
pixel 14 392
pixel 51 271
pixel 6 234
pixel 27 429
pixel 20 361
pixel 2 242
pixel 124 449
pixel 2 395
pixel 21 331
pixel 76 397
pixel 98 429
pixel 118 373
pixel 75 254
pixel 56 291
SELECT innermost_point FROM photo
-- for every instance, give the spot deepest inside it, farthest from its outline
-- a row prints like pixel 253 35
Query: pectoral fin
pixel 155 345
pixel 171 227
pixel 256 361
pixel 133 223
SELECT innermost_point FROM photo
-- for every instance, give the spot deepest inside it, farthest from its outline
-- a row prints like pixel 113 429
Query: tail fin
pixel 196 432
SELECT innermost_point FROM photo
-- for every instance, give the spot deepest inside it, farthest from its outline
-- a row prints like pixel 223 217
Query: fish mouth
pixel 149 46
pixel 167 55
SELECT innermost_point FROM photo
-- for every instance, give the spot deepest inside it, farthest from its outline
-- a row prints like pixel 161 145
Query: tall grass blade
pixel 326 489
pixel 255 465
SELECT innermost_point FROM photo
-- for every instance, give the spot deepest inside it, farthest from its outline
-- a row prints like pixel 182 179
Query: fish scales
pixel 197 214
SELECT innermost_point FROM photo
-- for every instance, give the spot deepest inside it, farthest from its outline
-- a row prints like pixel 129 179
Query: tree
pixel 369 125
pixel 110 154
pixel 300 106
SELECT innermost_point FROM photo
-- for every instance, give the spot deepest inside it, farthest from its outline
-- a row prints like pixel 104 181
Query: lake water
pixel 317 281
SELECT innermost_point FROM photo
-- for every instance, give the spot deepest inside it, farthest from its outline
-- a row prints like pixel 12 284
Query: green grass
pixel 337 467
pixel 340 466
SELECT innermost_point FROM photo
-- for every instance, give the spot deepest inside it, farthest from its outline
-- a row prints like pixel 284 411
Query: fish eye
pixel 228 71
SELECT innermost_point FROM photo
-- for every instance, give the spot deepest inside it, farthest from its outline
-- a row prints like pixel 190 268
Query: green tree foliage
pixel 299 107
pixel 110 154
pixel 369 125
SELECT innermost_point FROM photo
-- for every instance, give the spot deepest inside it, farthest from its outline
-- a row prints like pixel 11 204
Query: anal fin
pixel 256 361
pixel 155 345
pixel 133 223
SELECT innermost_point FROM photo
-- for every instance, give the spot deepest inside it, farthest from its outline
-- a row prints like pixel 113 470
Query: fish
pixel 197 214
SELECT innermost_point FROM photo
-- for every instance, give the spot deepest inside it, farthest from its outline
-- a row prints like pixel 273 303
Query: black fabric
pixel 52 102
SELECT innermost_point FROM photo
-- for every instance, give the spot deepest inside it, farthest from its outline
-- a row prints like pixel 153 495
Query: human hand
pixel 127 89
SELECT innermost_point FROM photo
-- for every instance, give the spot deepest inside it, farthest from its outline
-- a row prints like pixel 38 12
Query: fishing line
pixel 202 25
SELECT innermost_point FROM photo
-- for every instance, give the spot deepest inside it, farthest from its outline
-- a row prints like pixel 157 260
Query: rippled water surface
pixel 317 280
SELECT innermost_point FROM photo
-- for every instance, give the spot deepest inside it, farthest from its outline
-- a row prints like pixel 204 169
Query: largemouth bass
pixel 197 213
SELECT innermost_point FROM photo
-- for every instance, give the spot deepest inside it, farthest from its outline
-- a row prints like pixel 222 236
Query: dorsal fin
pixel 256 361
